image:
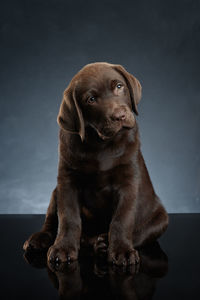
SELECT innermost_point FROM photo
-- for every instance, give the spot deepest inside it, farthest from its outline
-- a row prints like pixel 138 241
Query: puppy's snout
pixel 119 115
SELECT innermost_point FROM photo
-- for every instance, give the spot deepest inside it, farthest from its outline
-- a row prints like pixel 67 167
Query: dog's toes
pixel 58 255
pixel 133 257
pixel 127 259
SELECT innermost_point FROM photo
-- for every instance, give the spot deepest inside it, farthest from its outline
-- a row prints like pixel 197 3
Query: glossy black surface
pixel 170 273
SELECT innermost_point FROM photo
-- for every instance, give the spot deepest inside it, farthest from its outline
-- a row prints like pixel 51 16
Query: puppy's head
pixel 103 96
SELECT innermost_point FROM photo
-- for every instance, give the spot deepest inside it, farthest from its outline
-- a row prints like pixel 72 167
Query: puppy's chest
pixel 96 200
pixel 96 193
pixel 97 162
pixel 97 180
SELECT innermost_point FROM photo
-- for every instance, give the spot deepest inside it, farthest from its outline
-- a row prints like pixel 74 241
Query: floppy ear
pixel 70 117
pixel 134 86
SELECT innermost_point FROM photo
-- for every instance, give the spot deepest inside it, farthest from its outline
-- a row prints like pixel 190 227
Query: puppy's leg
pixel 43 239
pixel 67 243
pixel 121 249
pixel 150 231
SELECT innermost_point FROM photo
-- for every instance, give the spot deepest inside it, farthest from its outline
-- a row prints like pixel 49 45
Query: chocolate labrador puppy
pixel 104 195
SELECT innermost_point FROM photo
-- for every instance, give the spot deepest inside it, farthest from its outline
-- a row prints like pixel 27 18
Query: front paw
pixel 41 240
pixel 123 255
pixel 61 252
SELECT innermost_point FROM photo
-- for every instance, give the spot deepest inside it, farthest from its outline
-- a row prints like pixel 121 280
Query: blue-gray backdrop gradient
pixel 44 43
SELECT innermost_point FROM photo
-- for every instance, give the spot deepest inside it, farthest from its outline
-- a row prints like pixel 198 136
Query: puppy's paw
pixel 39 241
pixel 101 245
pixel 60 253
pixel 123 256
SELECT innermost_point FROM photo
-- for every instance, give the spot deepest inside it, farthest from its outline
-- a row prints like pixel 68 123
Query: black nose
pixel 118 116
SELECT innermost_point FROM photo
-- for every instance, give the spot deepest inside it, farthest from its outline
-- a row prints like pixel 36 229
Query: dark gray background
pixel 44 43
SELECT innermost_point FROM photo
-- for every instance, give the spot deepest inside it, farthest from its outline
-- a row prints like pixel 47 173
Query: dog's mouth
pixel 103 136
pixel 106 133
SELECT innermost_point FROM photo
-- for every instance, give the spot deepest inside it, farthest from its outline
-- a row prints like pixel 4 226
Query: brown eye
pixel 91 100
pixel 119 85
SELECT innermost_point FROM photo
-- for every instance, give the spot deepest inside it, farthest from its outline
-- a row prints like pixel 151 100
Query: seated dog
pixel 104 195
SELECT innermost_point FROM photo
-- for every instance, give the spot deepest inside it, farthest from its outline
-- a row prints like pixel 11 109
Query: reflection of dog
pixel 98 280
pixel 103 184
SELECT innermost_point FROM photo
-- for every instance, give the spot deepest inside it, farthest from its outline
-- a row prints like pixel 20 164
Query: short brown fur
pixel 104 193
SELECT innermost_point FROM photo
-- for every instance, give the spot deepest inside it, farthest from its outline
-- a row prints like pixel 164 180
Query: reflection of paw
pixel 37 259
pixel 100 269
pixel 68 280
pixel 60 253
pixel 101 245
pixel 123 256
pixel 38 241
